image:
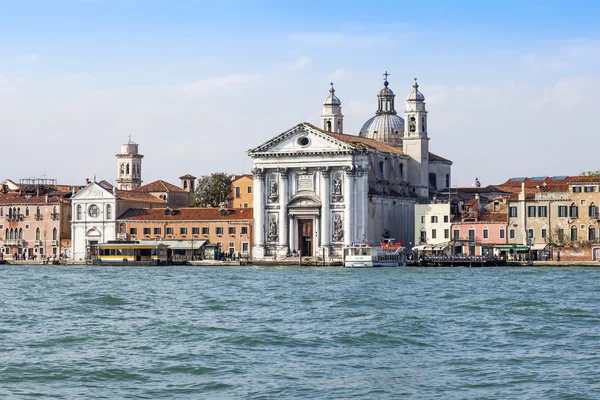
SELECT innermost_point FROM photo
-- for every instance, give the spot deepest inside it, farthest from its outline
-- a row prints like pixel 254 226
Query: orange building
pixel 241 191
pixel 230 228
pixel 35 218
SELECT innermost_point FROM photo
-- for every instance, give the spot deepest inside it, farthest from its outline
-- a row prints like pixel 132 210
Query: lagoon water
pixel 308 333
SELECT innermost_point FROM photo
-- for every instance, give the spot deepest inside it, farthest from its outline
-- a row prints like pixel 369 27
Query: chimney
pixel 87 181
pixel 46 198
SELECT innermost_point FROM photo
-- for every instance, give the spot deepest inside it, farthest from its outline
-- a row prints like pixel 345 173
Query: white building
pixel 432 225
pixel 318 190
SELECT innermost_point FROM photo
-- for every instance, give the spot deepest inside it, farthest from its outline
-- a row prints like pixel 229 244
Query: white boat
pixel 363 255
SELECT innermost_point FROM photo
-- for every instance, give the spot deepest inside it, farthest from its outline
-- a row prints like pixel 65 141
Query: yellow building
pixel 241 191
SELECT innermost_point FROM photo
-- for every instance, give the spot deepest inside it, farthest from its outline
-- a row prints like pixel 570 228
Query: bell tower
pixel 332 119
pixel 416 142
pixel 129 166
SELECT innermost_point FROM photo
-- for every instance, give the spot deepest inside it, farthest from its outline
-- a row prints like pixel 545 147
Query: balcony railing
pixel 122 236
pixel 54 243
pixel 14 217
pixel 13 242
pixel 37 243
pixel 54 216
pixel 38 217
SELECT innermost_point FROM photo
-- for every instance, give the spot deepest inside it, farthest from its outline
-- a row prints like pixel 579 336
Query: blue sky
pixel 197 83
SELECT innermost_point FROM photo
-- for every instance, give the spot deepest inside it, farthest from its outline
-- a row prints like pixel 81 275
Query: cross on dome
pixel 385 81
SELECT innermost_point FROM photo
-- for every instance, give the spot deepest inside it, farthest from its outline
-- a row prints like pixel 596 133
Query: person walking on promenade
pixel 558 256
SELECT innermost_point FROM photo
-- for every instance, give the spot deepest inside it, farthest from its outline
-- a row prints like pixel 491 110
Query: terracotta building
pixel 230 228
pixel 35 218
pixel 242 191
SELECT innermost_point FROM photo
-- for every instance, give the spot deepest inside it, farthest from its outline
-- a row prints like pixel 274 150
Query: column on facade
pixel 283 200
pixel 259 208
pixel 325 214
pixel 348 200
pixel 361 206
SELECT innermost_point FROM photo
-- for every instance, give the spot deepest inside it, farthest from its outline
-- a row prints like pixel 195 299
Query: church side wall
pixel 391 215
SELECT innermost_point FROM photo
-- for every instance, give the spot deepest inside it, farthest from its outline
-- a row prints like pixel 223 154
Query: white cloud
pixel 28 57
pixel 340 74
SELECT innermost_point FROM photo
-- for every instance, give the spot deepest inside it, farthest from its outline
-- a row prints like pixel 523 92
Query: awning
pixel 419 248
pixel 513 247
pixel 539 246
pixel 176 244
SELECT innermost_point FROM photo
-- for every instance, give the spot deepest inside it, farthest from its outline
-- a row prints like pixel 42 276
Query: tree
pixel 594 174
pixel 213 190
pixel 557 238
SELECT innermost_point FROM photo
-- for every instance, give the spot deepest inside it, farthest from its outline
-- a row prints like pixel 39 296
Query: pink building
pixel 479 229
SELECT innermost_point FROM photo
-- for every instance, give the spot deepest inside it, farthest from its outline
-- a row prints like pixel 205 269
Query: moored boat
pixel 363 255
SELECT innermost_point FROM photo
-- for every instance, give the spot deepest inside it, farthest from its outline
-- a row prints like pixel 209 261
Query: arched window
pixel 1 212
pixel 9 212
pixel 593 210
pixel 20 233
pixel 108 211
pixel 574 233
pixel 18 211
pixel 573 211
pixel 592 234
pixel 185 184
pixel 37 211
pixel 79 211
pixel 27 212
pixel 12 234
pixel 127 169
pixel 6 234
pixel 328 125
pixel 37 233
pixel 54 234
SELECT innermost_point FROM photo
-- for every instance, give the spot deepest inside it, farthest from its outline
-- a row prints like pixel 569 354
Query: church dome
pixel 332 100
pixel 415 95
pixel 387 128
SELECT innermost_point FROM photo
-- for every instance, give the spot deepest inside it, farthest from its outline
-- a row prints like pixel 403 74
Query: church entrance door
pixel 305 236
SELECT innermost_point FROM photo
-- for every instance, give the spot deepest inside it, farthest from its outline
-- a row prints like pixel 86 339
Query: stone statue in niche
pixel 272 228
pixel 338 230
pixel 413 125
pixel 337 188
pixel 273 189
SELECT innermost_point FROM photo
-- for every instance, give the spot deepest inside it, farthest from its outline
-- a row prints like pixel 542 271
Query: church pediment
pixel 304 200
pixel 94 191
pixel 302 139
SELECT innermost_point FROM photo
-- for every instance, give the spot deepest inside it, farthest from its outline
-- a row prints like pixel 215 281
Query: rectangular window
pixel 133 231
pixel 205 230
pixel 238 192
pixel 423 238
pixel 561 234
pixel 245 247
pixel 422 219
pixel 485 233
pixel 562 211
pixel 249 189
pixel 573 211
pixel 244 230
pixel 543 233
pixel 157 231
pixel 576 189
pixel 433 234
pixel 511 234
pixel 231 247
pixel 531 211
pixel 512 212
pixel 446 218
pixel 195 230
pixel 542 211
pixel 446 233
pixel 456 234
pixel 232 230
pixel 589 189
pixel 146 231
pixel 502 233
pixel 183 231
pixel 434 219
pixel 530 233
pixel 471 235
pixel 245 205
pixel 168 231
pixel 219 230
pixel 574 234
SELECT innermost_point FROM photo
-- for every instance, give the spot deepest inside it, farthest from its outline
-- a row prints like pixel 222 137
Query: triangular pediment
pixel 302 139
pixel 93 191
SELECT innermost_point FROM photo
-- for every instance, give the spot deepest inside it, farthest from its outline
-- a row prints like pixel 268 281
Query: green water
pixel 320 333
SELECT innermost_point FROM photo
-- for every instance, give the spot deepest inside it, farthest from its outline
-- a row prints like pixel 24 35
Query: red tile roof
pixel 159 186
pixel 187 214
pixel 138 196
pixel 187 176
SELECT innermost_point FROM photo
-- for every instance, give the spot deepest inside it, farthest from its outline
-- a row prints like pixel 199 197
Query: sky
pixel 512 88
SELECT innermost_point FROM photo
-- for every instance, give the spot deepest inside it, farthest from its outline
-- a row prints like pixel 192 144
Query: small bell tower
pixel 332 119
pixel 129 166
pixel 416 142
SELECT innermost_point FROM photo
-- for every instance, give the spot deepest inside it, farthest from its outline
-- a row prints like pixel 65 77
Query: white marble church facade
pixel 319 190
